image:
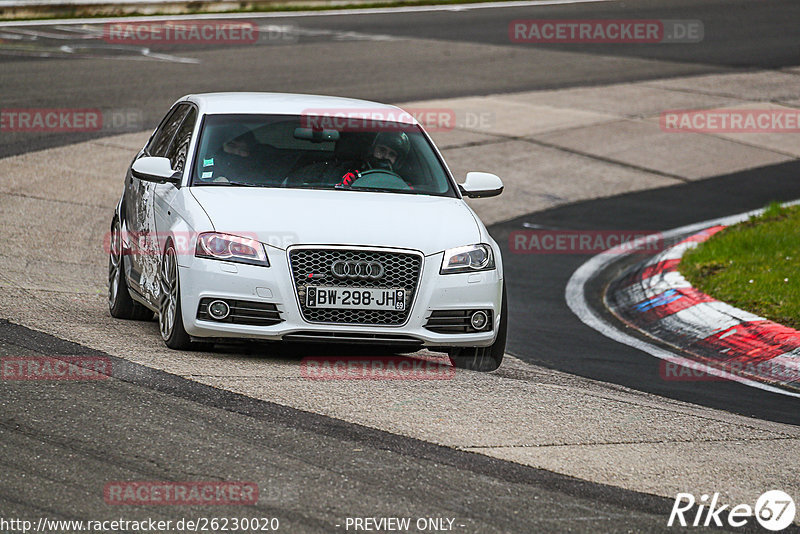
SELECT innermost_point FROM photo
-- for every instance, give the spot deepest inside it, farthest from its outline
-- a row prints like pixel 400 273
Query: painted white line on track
pixel 575 295
pixel 292 14
pixel 296 31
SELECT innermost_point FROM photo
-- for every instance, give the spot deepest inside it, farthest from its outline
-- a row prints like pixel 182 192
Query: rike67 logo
pixel 774 510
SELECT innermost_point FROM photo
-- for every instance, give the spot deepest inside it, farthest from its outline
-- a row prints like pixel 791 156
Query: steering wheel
pixel 380 178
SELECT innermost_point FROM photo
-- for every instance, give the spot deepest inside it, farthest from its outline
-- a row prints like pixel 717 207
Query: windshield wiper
pixel 246 184
pixel 378 189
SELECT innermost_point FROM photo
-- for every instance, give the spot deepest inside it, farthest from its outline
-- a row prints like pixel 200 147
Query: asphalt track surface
pixel 62 443
pixel 437 54
pixel 145 424
pixel 539 316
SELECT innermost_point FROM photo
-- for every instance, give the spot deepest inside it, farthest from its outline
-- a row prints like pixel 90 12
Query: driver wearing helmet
pixel 237 157
pixel 388 152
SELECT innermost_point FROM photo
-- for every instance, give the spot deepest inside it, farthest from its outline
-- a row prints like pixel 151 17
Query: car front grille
pixel 312 266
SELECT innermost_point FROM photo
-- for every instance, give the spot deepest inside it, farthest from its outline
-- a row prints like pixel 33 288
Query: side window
pixel 160 143
pixel 180 143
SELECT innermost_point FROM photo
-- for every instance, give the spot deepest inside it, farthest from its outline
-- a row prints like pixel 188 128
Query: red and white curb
pixel 716 340
pixel 656 299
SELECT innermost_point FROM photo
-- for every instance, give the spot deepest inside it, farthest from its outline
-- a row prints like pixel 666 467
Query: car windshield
pixel 293 151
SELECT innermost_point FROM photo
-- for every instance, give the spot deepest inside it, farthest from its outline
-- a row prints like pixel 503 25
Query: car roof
pixel 290 104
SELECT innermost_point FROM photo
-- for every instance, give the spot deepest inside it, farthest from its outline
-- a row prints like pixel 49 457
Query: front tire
pixel 120 303
pixel 484 359
pixel 170 315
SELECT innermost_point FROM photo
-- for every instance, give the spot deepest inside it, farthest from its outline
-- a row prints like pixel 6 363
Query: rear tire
pixel 170 315
pixel 484 358
pixel 120 303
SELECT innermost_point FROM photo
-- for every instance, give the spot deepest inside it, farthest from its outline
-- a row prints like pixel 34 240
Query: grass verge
pixel 754 265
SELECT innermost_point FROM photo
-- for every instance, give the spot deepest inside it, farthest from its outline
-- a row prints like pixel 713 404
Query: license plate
pixel 355 298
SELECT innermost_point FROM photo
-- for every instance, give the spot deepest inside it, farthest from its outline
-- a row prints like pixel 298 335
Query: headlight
pixel 227 247
pixel 467 259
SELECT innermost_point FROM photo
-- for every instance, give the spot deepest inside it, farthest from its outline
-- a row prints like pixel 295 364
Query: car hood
pixel 282 217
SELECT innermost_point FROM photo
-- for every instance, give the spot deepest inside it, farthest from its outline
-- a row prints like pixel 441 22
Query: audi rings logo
pixel 362 270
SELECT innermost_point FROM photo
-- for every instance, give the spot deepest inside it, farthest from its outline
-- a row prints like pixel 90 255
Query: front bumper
pixel 205 278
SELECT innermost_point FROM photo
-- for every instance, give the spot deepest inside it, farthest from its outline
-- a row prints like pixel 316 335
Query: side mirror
pixel 158 170
pixel 481 185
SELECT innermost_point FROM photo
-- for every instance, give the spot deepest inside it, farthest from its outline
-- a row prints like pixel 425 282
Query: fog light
pixel 218 309
pixel 478 320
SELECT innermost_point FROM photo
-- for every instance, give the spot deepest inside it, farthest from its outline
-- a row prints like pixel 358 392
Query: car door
pixel 139 210
pixel 164 195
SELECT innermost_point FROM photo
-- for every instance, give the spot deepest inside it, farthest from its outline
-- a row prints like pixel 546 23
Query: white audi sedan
pixel 310 219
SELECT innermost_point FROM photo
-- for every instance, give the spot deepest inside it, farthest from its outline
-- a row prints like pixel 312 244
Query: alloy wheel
pixel 169 294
